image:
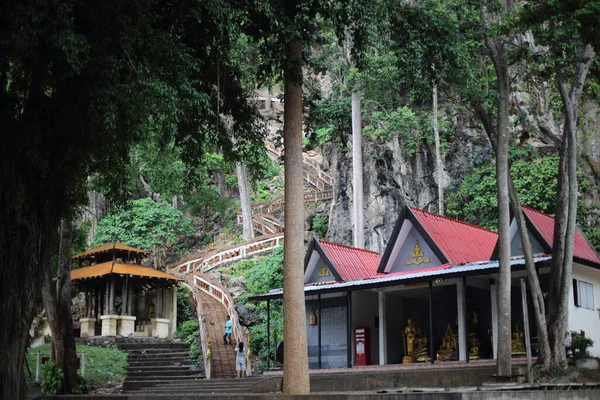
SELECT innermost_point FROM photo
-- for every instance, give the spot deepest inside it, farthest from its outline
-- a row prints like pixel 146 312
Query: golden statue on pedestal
pixel 410 337
pixel 518 342
pixel 473 341
pixel 421 350
pixel 449 344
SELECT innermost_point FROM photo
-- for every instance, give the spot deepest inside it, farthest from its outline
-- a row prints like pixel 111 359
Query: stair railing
pixel 207 262
pixel 222 297
pixel 205 340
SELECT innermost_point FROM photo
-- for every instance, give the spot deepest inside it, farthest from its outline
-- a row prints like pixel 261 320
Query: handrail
pixel 306 160
pixel 222 297
pixel 204 338
pixel 212 260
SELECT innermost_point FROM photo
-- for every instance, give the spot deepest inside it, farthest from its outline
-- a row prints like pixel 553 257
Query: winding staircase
pixel 213 301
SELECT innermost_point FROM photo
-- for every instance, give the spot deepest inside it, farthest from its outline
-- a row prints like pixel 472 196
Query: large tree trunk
pixel 544 356
pixel 357 174
pixel 248 230
pixel 566 210
pixel 439 165
pixel 57 302
pixel 26 245
pixel 502 171
pixel 295 364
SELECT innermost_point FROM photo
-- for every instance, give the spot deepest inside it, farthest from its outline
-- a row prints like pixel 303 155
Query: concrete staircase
pixel 203 387
pixel 154 362
pixel 222 356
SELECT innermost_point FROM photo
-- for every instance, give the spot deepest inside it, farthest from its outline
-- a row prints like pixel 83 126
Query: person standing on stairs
pixel 240 359
pixel 228 331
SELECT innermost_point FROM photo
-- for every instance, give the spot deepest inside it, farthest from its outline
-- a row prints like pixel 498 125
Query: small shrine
pixel 123 297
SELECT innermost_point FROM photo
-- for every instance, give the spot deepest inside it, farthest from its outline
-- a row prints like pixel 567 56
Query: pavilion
pixel 433 293
pixel 122 297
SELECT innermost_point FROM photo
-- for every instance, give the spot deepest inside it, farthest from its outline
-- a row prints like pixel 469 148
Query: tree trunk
pixel 544 356
pixel 357 174
pixel 439 165
pixel 295 365
pixel 566 210
pixel 57 302
pixel 248 230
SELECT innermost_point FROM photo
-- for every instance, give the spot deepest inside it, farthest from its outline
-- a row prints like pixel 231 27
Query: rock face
pixel 395 176
pixel 247 317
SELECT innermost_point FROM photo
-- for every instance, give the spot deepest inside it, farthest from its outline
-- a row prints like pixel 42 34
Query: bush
pixel 189 332
pixel 52 378
pixel 184 311
pixel 320 226
pixel 580 345
pixel 83 387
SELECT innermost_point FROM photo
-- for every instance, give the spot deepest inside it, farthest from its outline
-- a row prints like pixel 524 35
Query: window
pixel 584 294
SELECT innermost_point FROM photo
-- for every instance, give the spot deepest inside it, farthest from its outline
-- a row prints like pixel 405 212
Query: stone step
pixel 159 363
pixel 151 346
pixel 158 373
pixel 157 351
pixel 159 378
pixel 237 389
pixel 159 356
pixel 144 368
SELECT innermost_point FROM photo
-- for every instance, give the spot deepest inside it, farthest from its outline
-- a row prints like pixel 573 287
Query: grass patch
pixel 104 367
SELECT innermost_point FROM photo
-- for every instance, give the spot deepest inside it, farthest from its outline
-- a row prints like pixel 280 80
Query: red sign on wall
pixel 362 346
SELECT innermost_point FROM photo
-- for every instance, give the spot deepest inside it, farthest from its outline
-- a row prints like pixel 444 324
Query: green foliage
pixel 580 345
pixel 189 332
pixel 184 310
pixel 535 179
pixel 262 275
pixel 320 226
pixel 186 329
pixel 104 367
pixel 51 379
pixel 142 223
pixel 83 387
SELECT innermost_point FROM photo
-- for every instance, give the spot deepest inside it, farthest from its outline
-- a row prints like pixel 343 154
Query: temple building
pixel 433 293
pixel 122 297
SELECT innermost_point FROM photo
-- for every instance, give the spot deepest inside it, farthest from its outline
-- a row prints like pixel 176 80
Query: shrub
pixel 189 332
pixel 580 345
pixel 186 329
pixel 52 378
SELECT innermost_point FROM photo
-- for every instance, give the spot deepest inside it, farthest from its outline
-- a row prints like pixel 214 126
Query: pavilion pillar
pixel 124 296
pixel 319 331
pixel 431 344
pixel 349 326
pixel 106 310
pixel 96 303
pixel 111 300
pixel 462 320
pixel 494 301
pixel 382 329
pixel 269 333
pixel 130 298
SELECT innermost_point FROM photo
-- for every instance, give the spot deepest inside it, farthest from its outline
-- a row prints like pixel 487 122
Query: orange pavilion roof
pixel 111 267
pixel 107 248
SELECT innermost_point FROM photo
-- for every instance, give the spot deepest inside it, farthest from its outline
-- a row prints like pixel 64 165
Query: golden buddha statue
pixel 410 337
pixel 518 342
pixel 473 341
pixel 449 344
pixel 421 350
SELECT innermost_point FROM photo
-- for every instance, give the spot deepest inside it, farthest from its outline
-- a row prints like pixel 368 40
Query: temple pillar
pixel 382 329
pixel 462 319
pixel 174 310
pixel 494 295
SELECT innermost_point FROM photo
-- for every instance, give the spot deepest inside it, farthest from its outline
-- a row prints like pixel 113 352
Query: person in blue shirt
pixel 228 331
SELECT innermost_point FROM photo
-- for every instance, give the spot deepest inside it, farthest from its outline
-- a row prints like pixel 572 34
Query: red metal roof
pixel 460 242
pixel 545 225
pixel 352 263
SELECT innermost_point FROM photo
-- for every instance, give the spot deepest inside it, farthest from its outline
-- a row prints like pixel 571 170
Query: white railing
pixel 208 262
pixel 308 161
pixel 204 338
pixel 222 297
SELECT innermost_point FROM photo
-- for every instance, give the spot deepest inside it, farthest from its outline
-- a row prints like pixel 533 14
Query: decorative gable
pixel 412 251
pixel 516 244
pixel 317 266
